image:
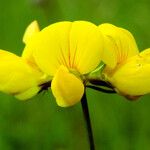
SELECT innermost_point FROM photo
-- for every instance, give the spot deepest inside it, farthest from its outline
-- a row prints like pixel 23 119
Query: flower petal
pixel 31 30
pixel 52 47
pixel 66 87
pixel 30 33
pixel 16 76
pixel 86 46
pixel 146 55
pixel 133 77
pixel 28 93
pixel 119 44
pixel 76 45
pixel 109 55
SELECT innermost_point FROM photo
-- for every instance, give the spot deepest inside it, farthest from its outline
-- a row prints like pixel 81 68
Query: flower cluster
pixel 70 56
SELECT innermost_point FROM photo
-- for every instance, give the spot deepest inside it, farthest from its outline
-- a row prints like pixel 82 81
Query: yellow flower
pixel 18 76
pixel 67 51
pixel 127 69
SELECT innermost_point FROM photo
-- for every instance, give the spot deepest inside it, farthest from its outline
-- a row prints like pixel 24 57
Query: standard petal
pixel 109 55
pixel 119 45
pixel 86 46
pixel 16 76
pixel 76 45
pixel 52 47
pixel 66 87
pixel 30 33
pixel 29 59
pixel 31 30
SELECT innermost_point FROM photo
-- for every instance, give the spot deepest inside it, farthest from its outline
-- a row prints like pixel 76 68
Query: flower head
pixel 68 55
pixel 132 78
pixel 17 77
pixel 127 69
pixel 20 76
pixel 67 51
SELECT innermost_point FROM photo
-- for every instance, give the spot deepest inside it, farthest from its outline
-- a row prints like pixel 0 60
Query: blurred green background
pixel 39 124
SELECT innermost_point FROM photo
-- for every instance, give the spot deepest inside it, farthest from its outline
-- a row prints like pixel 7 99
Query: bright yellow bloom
pixel 67 54
pixel 67 51
pixel 132 78
pixel 19 76
pixel 130 70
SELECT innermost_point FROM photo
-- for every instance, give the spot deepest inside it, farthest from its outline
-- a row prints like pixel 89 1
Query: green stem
pixel 88 121
pixel 101 89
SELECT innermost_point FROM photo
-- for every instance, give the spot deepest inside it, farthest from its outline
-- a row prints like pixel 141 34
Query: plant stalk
pixel 87 121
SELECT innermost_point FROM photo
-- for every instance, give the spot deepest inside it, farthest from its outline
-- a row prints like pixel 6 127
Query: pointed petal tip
pixel 30 31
